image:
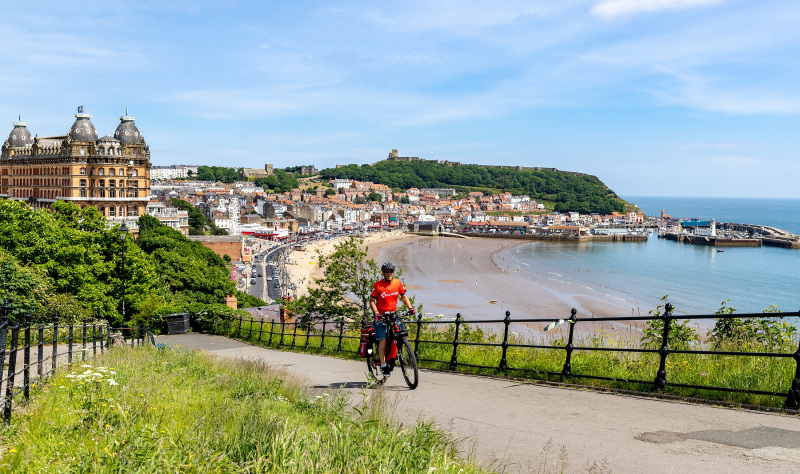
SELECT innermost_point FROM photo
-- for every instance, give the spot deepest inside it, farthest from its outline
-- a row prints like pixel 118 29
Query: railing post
pixel 54 355
pixel 506 322
pixel 261 329
pixel 419 325
pixel 283 328
pixel 3 333
pixel 69 347
pixel 40 355
pixel 83 348
pixel 308 331
pixel 26 374
pixel 567 369
pixel 322 337
pixel 94 339
pixel 294 333
pixel 793 398
pixel 239 331
pixel 271 331
pixel 102 338
pixel 341 332
pixel 454 358
pixel 12 368
pixel 661 377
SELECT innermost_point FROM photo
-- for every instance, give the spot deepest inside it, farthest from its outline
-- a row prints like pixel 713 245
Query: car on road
pixel 269 278
pixel 253 281
pixel 259 273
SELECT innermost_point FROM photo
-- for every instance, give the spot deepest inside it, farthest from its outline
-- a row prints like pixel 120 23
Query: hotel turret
pixel 109 173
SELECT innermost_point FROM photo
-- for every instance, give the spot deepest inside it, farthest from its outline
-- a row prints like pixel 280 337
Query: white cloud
pixel 614 8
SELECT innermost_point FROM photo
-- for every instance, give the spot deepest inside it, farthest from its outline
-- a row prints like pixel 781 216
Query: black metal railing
pixel 43 348
pixel 276 333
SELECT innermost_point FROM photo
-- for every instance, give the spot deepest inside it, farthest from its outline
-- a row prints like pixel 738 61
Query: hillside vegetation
pixel 68 262
pixel 567 191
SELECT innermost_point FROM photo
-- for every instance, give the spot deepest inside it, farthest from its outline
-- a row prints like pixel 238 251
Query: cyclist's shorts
pixel 380 330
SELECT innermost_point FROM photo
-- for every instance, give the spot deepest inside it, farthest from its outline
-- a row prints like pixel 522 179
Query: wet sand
pixel 470 276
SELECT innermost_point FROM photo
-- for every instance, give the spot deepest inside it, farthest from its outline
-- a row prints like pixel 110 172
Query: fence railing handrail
pixel 334 328
pixel 18 337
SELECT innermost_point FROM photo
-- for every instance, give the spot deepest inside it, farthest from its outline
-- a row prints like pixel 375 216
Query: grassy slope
pixel 174 411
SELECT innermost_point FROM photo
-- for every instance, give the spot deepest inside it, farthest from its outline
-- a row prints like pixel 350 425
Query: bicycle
pixel 398 349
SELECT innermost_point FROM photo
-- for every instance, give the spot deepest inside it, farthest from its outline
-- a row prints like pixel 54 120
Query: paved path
pixel 516 422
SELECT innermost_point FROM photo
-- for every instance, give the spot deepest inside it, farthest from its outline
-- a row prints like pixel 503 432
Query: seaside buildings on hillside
pixel 111 173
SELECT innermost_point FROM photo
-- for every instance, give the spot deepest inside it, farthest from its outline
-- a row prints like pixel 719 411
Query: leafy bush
pixel 681 335
pixel 765 333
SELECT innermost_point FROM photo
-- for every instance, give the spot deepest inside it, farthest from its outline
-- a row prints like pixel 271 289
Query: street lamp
pixel 123 233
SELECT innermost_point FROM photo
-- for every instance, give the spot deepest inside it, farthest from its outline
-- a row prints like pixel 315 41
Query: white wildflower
pixel 112 382
pixel 86 365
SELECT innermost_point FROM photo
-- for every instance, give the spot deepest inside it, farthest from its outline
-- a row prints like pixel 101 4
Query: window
pixel 111 171
pixel 102 183
pixel 83 193
pixel 135 184
pixel 111 183
pixel 134 152
pixel 134 173
pixel 120 211
pixel 135 211
pixel 122 172
pixel 111 212
pixel 102 151
pixel 102 210
pixel 83 151
pixel 101 171
pixel 102 193
pixel 83 171
pixel 83 182
pixel 112 193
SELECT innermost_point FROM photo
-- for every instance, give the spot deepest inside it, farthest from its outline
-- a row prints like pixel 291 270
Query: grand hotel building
pixel 110 173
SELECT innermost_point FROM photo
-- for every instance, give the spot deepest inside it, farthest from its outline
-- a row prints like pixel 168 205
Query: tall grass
pixel 149 410
pixel 733 372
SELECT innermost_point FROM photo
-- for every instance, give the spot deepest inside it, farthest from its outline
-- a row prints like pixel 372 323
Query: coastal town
pixel 242 208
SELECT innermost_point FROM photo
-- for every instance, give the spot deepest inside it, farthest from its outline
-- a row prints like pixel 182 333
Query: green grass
pixel 149 410
pixel 734 372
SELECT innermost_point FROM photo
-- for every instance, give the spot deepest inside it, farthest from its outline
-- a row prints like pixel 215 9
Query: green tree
pixel 330 192
pixel 343 291
pixel 375 197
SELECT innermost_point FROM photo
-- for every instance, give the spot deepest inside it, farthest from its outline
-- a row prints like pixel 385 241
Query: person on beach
pixel 384 299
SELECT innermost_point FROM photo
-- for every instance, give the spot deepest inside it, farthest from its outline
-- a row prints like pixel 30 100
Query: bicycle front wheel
pixel 373 370
pixel 408 364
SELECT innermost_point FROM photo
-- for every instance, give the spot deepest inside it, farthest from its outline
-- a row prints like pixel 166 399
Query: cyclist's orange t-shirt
pixel 386 294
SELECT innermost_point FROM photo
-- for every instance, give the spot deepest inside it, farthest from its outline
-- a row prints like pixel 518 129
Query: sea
pixel 617 278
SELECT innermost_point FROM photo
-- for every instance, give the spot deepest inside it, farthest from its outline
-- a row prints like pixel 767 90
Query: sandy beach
pixel 471 277
pixel 303 268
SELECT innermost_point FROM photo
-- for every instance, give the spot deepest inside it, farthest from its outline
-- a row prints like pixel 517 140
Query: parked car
pixel 253 281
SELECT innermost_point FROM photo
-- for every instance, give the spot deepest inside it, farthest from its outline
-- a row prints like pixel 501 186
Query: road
pixel 512 424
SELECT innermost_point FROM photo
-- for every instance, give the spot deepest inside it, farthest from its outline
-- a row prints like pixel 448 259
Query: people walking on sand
pixel 383 299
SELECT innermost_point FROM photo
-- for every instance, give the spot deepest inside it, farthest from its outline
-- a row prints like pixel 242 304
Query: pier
pixel 758 235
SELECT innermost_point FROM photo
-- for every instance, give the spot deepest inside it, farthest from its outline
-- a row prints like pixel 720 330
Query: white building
pixel 172 171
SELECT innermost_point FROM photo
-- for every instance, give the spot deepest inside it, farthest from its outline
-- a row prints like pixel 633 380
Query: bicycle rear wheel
pixel 408 364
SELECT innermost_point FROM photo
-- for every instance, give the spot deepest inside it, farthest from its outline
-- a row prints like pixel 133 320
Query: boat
pixel 493 301
pixel 720 250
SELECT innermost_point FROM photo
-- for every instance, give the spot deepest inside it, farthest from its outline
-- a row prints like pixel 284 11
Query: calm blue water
pixel 696 278
pixel 781 213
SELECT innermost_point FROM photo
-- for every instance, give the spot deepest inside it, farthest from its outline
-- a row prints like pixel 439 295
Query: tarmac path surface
pixel 529 427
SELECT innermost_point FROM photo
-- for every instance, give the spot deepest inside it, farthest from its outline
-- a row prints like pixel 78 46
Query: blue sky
pixel 655 97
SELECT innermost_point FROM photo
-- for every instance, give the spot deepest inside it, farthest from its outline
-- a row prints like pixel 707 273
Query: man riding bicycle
pixel 383 299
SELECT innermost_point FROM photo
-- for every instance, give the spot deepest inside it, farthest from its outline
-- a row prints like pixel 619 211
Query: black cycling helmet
pixel 387 267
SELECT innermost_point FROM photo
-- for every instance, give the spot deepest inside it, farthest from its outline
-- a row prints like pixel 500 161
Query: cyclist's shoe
pixel 386 371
